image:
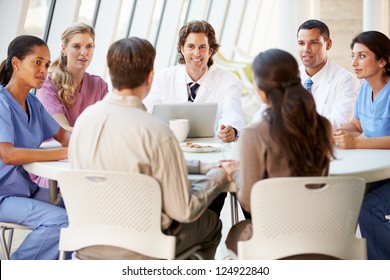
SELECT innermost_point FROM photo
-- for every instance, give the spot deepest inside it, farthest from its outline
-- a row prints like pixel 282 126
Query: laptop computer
pixel 202 116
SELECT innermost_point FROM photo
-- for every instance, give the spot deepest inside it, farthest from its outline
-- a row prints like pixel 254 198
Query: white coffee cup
pixel 180 128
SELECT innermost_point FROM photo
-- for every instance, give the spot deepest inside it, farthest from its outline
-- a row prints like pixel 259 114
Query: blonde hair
pixel 62 78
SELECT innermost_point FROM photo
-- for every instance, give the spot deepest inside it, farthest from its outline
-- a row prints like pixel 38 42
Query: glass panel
pixel 156 19
pixel 124 19
pixel 184 13
pixel 87 10
pixel 36 19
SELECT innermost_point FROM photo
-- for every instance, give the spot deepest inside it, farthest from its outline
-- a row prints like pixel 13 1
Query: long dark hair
pixel 20 47
pixel 376 42
pixel 303 135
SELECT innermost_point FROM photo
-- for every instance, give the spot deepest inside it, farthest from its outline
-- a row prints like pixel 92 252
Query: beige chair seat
pixel 299 216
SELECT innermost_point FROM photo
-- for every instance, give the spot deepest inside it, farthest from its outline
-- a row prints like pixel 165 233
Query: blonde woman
pixel 69 89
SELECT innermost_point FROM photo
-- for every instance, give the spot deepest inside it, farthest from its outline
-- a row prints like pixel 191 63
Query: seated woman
pixel 69 89
pixel 25 124
pixel 371 62
pixel 292 139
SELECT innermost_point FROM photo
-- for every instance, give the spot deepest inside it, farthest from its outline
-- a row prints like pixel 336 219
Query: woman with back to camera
pixel 371 62
pixel 25 124
pixel 281 144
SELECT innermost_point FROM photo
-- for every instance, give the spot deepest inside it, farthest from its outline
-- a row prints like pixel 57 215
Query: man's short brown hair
pixel 130 61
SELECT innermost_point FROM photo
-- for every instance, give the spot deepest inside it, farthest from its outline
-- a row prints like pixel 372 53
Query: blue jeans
pixel 45 220
pixel 374 220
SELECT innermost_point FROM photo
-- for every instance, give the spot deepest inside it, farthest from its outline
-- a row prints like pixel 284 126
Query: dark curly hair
pixel 196 26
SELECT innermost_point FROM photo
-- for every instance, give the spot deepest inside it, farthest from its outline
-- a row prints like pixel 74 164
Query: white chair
pixel 115 209
pixel 7 244
pixel 290 219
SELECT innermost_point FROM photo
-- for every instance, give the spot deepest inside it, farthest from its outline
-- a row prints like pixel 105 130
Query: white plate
pixel 199 150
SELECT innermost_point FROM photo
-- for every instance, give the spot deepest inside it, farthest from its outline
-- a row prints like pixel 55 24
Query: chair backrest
pixel 116 209
pixel 288 218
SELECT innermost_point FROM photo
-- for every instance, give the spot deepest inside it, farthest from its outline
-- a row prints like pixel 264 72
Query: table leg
pixel 53 191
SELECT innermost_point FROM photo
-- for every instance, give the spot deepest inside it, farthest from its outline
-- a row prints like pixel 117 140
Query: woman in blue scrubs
pixel 24 125
pixel 371 62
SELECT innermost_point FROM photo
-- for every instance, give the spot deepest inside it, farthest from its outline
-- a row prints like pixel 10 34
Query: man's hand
pixel 227 133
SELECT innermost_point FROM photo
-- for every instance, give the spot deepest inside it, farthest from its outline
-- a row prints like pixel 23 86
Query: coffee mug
pixel 180 128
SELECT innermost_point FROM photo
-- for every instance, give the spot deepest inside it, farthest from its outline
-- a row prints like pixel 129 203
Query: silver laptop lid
pixel 202 116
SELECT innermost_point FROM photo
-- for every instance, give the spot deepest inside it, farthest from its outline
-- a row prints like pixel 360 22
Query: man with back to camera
pixel 334 89
pixel 126 138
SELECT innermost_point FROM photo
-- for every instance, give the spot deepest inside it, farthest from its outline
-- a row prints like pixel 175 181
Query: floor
pixel 221 253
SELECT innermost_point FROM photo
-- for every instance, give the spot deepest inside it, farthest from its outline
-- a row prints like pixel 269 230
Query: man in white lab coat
pixel 334 89
pixel 197 79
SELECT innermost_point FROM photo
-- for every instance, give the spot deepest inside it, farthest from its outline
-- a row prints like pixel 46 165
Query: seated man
pixel 197 79
pixel 126 138
pixel 334 89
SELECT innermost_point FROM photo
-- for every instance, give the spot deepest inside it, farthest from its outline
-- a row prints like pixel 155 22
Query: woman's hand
pixel 205 167
pixel 229 166
pixel 344 140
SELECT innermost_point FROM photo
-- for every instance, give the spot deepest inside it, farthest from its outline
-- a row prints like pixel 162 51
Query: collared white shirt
pixel 334 91
pixel 218 85
pixel 190 81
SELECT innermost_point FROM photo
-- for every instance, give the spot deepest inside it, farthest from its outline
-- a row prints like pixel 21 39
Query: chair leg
pixel 4 245
pixel 10 238
pixel 62 255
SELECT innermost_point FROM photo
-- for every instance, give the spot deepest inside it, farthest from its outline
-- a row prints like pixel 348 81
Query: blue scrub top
pixel 374 115
pixel 17 129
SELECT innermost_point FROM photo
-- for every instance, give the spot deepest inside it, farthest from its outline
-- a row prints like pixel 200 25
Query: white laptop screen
pixel 202 116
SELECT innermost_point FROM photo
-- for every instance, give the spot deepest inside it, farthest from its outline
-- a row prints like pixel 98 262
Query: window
pixel 125 19
pixel 37 16
pixel 87 11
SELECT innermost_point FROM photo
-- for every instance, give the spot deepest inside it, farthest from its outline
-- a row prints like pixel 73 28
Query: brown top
pixel 260 158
